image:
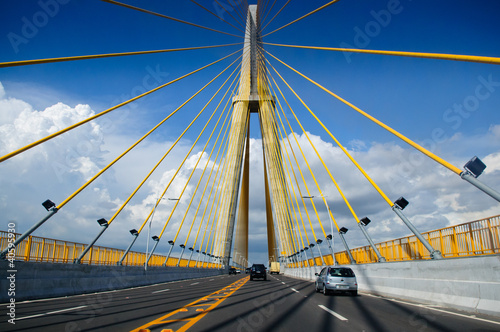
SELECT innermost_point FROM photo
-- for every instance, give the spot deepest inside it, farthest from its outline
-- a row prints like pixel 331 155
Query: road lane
pixel 278 304
pixel 286 304
pixel 120 310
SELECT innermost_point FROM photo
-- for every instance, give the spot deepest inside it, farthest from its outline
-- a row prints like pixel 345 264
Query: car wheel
pixel 354 293
pixel 325 291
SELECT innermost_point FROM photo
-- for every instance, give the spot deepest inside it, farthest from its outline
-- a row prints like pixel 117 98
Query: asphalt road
pixel 233 303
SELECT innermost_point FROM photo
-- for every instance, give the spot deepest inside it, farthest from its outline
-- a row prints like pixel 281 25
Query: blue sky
pixel 434 102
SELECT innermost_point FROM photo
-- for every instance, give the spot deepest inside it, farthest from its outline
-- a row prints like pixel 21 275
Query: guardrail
pixel 480 237
pixel 39 249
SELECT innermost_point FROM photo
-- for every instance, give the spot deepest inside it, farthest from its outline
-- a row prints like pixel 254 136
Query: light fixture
pixel 329 237
pixel 191 248
pixel 134 232
pixel 103 222
pixel 155 238
pixel 475 166
pixel 311 245
pixel 365 221
pixel 171 242
pixel 306 248
pixel 319 241
pixel 48 205
pixel 343 230
pixel 401 202
pixel 182 246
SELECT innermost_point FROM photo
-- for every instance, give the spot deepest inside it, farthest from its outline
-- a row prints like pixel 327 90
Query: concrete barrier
pixel 471 284
pixel 43 280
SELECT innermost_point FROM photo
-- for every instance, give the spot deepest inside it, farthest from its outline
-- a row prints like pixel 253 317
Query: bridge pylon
pixel 253 97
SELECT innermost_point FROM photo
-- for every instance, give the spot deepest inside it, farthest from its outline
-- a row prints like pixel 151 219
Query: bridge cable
pixel 215 184
pixel 272 150
pixel 62 131
pixel 212 233
pixel 168 17
pixel 108 55
pixel 161 160
pixel 307 237
pixel 225 10
pixel 227 202
pixel 317 153
pixel 192 147
pixel 283 7
pixel 435 254
pixel 217 194
pixel 138 141
pixel 225 124
pixel 268 12
pixel 302 17
pixel 243 18
pixel 441 56
pixel 203 150
pixel 407 140
pixel 294 174
pixel 305 160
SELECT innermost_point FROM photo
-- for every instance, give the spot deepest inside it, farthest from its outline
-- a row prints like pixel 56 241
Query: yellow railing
pixel 39 249
pixel 480 237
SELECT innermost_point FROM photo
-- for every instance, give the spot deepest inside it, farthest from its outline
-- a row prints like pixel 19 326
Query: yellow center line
pixel 218 298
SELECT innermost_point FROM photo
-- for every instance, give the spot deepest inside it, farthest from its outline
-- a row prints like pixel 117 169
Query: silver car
pixel 336 278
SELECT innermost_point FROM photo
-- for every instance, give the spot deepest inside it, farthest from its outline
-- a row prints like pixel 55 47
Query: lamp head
pixel 475 166
pixel 365 221
pixel 49 205
pixel 401 202
pixel 103 222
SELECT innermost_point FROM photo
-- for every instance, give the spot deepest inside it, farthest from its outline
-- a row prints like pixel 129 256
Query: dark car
pixel 258 271
pixel 232 270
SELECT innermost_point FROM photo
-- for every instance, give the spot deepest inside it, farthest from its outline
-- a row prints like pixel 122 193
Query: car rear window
pixel 341 272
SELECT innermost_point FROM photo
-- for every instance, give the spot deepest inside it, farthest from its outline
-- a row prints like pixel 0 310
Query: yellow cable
pixel 441 56
pixel 402 137
pixel 220 18
pixel 98 56
pixel 167 17
pixel 208 162
pixel 203 150
pixel 62 131
pixel 302 17
pixel 321 159
pixel 283 7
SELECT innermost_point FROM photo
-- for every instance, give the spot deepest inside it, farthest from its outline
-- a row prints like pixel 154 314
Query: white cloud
pixel 55 169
